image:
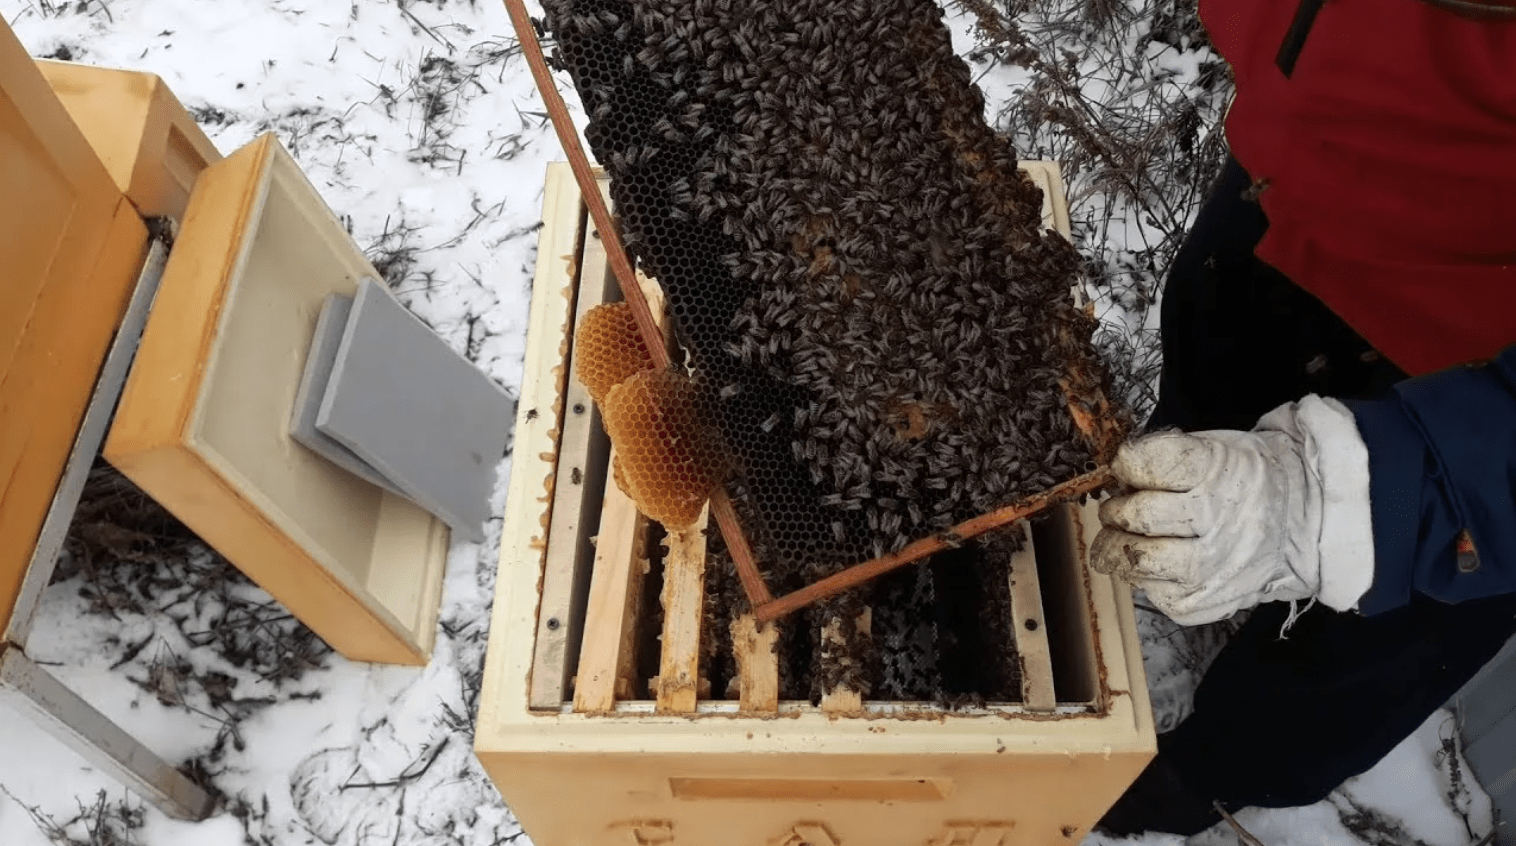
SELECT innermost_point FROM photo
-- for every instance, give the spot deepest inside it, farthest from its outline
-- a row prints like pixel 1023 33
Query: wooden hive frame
pixel 584 758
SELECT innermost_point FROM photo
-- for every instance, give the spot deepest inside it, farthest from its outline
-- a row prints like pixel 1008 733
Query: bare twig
pixel 426 29
pixel 1243 834
pixel 408 775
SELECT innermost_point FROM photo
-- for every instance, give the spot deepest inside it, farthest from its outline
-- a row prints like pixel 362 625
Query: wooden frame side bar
pixel 618 554
pixel 569 552
pixel 683 609
pixel 757 664
pixel 1030 628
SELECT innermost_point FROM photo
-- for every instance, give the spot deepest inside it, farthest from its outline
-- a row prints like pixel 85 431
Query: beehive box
pixel 151 146
pixel 71 246
pixel 203 421
pixel 584 758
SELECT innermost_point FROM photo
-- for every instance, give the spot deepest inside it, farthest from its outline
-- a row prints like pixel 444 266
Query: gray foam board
pixel 330 324
pixel 420 413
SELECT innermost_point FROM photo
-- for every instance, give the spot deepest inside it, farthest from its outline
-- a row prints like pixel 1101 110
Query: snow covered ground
pixel 418 123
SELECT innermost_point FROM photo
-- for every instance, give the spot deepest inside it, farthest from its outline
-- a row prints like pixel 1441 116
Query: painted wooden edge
pixel 66 716
pixel 757 664
pixel 194 493
pixel 24 84
pixel 1060 201
pixel 144 136
pixel 86 449
pixel 683 609
pixel 174 152
pixel 528 506
pixel 1118 650
pixel 1047 176
pixel 568 556
pixel 50 383
pixel 844 701
pixel 57 321
pixel 162 391
pixel 617 553
pixel 110 108
pixel 1029 627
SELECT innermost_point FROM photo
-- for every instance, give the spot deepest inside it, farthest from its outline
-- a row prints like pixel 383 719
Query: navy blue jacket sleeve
pixel 1442 460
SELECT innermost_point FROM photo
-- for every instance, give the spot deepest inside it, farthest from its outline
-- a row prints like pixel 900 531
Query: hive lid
pixel 203 424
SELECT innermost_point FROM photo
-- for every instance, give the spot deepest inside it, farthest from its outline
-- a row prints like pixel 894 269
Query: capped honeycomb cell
pixel 667 460
pixel 608 349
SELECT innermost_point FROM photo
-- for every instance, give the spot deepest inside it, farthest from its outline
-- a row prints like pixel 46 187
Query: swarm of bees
pixel 878 321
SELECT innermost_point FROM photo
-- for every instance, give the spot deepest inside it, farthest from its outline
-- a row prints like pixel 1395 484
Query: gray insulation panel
pixel 330 325
pixel 424 416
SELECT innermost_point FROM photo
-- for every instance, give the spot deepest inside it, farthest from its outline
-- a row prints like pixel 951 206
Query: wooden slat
pixel 618 554
pixel 683 609
pixel 627 680
pixel 528 511
pixel 1030 628
pixel 843 700
pixel 579 481
pixel 757 664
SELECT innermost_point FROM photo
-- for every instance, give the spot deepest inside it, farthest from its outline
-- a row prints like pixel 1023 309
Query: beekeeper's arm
pixel 1354 504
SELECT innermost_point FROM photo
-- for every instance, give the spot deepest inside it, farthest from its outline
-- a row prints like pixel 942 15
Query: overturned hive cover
pixel 857 270
pixel 203 424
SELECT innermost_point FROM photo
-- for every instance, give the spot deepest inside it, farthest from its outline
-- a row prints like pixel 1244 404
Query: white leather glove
pixel 1221 521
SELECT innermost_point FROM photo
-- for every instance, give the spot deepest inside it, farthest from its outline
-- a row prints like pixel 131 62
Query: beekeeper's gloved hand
pixel 1221 521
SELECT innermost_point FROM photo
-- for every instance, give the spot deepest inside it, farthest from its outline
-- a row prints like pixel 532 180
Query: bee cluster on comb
pixel 875 317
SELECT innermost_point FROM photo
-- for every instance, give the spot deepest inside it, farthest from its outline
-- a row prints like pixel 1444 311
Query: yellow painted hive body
pixel 71 244
pixel 583 761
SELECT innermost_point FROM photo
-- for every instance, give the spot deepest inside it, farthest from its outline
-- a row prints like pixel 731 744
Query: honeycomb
pixel 668 460
pixel 608 349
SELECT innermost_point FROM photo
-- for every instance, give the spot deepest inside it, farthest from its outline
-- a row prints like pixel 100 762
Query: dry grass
pixel 1133 119
pixel 100 823
pixel 131 559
